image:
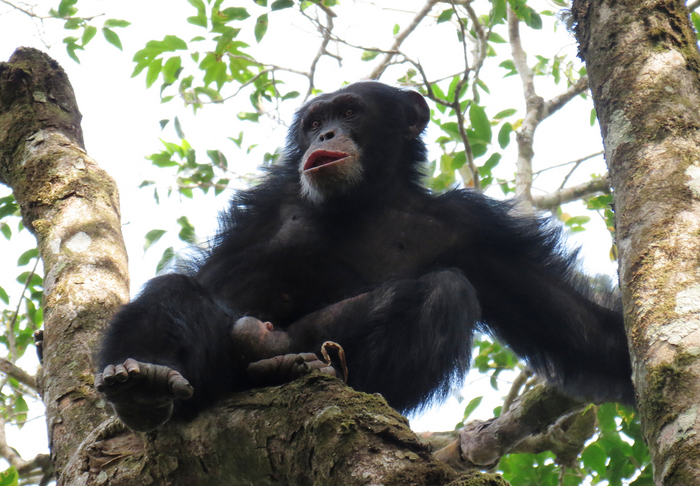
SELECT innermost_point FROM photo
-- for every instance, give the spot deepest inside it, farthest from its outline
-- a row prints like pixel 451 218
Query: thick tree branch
pixel 481 444
pixel 314 430
pixel 72 207
pixel 652 147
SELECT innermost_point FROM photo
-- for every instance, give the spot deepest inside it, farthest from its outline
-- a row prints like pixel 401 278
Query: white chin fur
pixel 318 184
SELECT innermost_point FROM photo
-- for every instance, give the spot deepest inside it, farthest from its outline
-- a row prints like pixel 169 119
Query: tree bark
pixel 72 207
pixel 643 65
pixel 312 431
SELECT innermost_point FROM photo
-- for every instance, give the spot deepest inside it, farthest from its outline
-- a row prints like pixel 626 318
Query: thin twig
pixel 577 161
pixel 400 37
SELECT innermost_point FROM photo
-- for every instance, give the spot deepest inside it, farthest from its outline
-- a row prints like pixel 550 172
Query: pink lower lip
pixel 314 156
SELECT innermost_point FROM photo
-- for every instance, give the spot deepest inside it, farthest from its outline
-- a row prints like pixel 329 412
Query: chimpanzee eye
pixel 315 124
pixel 349 113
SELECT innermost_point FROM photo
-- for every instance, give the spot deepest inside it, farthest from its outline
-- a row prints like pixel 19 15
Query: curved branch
pixel 557 198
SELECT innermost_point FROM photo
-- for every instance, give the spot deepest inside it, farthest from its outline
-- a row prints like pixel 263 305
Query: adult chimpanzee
pixel 341 242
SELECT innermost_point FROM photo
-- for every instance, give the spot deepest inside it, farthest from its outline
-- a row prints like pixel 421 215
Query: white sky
pixel 120 123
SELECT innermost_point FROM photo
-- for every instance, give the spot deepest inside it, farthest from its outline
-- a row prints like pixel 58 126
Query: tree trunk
pixel 643 64
pixel 311 431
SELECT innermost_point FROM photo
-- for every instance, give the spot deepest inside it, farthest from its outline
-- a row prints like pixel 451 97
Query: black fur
pixel 428 269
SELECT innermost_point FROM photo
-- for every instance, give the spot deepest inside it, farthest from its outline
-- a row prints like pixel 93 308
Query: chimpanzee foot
pixel 142 394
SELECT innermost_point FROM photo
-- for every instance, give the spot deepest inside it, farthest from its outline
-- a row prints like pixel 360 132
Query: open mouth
pixel 321 158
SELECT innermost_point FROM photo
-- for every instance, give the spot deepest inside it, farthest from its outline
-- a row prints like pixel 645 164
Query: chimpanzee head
pixel 357 138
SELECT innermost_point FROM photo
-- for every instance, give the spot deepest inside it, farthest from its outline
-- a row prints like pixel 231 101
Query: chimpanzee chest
pixel 353 255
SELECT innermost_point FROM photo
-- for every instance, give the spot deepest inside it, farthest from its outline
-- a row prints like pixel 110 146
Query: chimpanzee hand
pixel 285 368
pixel 288 367
pixel 142 394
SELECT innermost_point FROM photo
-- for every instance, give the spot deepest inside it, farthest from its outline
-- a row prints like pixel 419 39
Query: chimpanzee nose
pixel 327 136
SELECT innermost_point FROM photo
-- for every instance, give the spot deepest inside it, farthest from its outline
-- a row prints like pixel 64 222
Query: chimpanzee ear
pixel 417 113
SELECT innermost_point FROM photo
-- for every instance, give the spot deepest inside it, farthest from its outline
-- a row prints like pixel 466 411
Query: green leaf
pixel 235 13
pixel 65 8
pixel 498 12
pixel 6 230
pixel 168 256
pixel 199 5
pixel 187 232
pixel 89 33
pixel 152 237
pixel 27 256
pixel 281 4
pixel 172 69
pixel 496 38
pixel 445 15
pixel 112 37
pixel 369 55
pixel 9 477
pixel 504 135
pixel 594 116
pixel 261 27
pixel 695 17
pixel 291 95
pixel 117 23
pixel 505 113
pixel 73 24
pixel 217 158
pixel 178 128
pixel 534 21
pixel 397 29
pixel 254 117
pixel 4 297
pixel 198 20
pixel 471 406
pixel 153 72
pixel 485 170
pixel 510 66
pixel 480 123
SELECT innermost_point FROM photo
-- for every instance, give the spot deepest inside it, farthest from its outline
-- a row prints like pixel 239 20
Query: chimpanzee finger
pixel 180 387
pixel 108 375
pixel 132 367
pixel 99 382
pixel 120 373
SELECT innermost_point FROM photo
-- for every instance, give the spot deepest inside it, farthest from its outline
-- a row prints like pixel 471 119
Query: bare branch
pixel 483 443
pixel 7 452
pixel 514 391
pixel 24 11
pixel 558 101
pixel 326 31
pixel 400 37
pixel 534 106
pixel 17 373
pixel 557 198
pixel 692 6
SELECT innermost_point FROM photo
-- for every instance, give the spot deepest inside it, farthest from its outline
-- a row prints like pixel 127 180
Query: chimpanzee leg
pixel 174 329
pixel 409 340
